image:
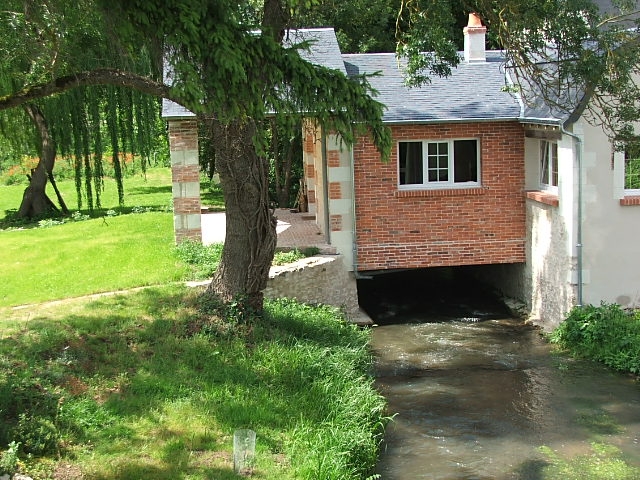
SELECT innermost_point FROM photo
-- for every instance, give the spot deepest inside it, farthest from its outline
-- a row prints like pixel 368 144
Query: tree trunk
pixel 35 201
pixel 251 227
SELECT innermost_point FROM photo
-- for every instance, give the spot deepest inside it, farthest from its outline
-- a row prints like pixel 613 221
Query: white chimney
pixel 474 33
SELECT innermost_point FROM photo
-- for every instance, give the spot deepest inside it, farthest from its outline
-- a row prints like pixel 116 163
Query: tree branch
pixel 113 77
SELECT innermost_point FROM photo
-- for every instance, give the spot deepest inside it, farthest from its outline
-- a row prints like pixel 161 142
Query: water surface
pixel 476 394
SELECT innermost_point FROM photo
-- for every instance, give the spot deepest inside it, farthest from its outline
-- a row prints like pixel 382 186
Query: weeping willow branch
pixel 113 77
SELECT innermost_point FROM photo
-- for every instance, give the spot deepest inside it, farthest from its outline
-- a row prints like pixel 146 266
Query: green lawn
pixel 150 190
pixel 152 383
pixel 79 258
pixel 101 254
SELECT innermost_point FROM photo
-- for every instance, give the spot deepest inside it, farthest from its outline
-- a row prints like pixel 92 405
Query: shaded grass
pixel 147 386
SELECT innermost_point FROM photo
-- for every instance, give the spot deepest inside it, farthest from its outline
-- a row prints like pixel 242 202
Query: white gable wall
pixel 611 231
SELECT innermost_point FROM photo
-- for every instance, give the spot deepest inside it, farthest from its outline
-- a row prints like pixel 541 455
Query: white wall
pixel 551 236
pixel 611 232
pixel 344 238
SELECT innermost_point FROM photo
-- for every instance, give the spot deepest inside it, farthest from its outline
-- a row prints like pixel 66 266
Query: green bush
pixel 9 459
pixel 38 435
pixel 606 333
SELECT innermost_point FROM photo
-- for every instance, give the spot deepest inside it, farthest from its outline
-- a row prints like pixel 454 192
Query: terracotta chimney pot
pixel 474 20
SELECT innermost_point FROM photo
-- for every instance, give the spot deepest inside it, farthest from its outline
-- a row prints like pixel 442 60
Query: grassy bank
pixel 146 385
pixel 606 334
pixel 152 384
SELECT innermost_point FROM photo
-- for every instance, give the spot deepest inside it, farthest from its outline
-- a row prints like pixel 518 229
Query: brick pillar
pixel 185 173
pixel 310 156
pixel 340 197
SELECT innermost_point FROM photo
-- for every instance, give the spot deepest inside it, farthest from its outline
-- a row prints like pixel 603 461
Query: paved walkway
pixel 295 230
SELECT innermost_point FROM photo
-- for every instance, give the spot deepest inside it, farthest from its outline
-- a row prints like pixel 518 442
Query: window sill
pixel 543 197
pixel 630 200
pixel 442 192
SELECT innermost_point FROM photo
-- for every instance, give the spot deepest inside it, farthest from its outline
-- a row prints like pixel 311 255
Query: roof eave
pixel 450 120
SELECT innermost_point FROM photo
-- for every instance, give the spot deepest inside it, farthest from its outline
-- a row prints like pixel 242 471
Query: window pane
pixel 544 162
pixel 410 162
pixel 465 161
pixel 632 168
pixel 438 161
pixel 554 164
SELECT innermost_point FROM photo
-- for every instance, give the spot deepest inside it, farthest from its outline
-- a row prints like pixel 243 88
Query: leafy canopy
pixel 222 62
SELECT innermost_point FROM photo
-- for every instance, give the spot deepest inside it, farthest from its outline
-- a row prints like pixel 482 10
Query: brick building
pixel 477 177
pixel 538 200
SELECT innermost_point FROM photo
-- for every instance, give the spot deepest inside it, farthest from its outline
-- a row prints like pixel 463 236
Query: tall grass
pixel 147 385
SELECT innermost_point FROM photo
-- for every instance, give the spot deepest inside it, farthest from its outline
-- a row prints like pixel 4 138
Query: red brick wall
pixel 183 135
pixel 185 173
pixel 472 226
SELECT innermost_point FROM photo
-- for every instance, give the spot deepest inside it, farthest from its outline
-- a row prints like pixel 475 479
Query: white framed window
pixel 438 163
pixel 632 170
pixel 548 165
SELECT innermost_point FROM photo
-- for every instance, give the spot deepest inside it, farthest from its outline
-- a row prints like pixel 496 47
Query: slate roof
pixel 172 110
pixel 473 91
pixel 323 50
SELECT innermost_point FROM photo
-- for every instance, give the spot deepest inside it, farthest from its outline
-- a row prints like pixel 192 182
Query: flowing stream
pixel 479 395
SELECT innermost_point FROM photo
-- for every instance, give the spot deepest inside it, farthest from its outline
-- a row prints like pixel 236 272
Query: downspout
pixel 579 244
pixel 325 188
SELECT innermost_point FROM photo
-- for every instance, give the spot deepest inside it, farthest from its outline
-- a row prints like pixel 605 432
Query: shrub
pixel 9 459
pixel 606 333
pixel 38 435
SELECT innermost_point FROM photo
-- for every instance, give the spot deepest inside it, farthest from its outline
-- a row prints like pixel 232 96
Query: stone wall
pixel 319 279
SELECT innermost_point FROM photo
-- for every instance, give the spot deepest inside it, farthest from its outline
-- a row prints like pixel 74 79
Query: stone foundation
pixel 320 279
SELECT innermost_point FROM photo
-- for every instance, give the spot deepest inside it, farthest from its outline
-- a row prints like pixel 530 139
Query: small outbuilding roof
pixel 474 91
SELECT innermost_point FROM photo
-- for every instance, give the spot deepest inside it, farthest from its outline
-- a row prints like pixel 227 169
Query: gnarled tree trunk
pixel 251 227
pixel 35 201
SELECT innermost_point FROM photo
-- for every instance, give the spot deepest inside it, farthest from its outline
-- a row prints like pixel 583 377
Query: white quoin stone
pixel 474 40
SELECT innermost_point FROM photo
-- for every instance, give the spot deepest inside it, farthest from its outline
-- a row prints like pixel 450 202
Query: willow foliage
pixel 39 42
